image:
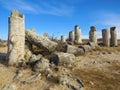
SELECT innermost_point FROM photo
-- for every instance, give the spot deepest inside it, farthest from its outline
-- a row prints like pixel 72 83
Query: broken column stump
pixel 78 36
pixel 71 36
pixel 63 39
pixel 16 38
pixel 113 39
pixel 93 35
pixel 106 37
pixel 74 50
pixel 61 58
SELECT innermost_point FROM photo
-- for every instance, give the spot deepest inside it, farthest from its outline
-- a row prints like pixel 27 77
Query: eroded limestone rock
pixel 63 39
pixel 41 66
pixel 40 41
pixel 73 83
pixel 113 32
pixel 16 38
pixel 74 50
pixel 78 35
pixel 28 51
pixel 72 36
pixel 86 48
pixel 106 37
pixel 93 34
pixel 61 58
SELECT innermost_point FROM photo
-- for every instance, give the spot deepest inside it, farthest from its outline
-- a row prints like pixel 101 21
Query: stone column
pixel 16 38
pixel 45 35
pixel 113 39
pixel 78 36
pixel 63 39
pixel 71 36
pixel 106 37
pixel 93 35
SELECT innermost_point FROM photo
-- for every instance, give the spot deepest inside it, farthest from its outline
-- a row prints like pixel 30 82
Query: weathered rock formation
pixel 78 36
pixel 93 35
pixel 40 41
pixel 106 37
pixel 71 36
pixel 86 48
pixel 28 51
pixel 74 50
pixel 113 38
pixel 45 35
pixel 63 39
pixel 16 38
pixel 64 59
pixel 42 66
pixel 73 83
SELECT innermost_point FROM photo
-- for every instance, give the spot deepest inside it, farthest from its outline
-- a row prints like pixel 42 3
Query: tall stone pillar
pixel 106 37
pixel 63 39
pixel 113 38
pixel 78 36
pixel 16 38
pixel 71 36
pixel 93 35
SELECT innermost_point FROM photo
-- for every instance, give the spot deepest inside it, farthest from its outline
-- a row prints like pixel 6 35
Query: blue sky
pixel 58 17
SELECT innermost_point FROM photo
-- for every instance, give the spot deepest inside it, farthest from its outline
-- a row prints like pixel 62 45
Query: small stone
pixel 41 65
pixel 9 87
pixel 52 89
pixel 91 83
pixel 35 58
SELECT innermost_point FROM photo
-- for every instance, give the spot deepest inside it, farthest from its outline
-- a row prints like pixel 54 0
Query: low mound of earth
pixel 99 70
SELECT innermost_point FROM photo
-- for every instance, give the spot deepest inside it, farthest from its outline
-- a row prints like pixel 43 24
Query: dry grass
pixel 98 80
pixel 109 49
pixel 98 72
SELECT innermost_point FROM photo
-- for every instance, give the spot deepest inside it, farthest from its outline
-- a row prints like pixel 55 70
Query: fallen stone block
pixel 74 50
pixel 92 45
pixel 40 41
pixel 42 66
pixel 86 48
pixel 61 58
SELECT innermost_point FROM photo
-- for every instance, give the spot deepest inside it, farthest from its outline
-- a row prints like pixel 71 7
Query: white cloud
pixel 42 7
pixel 17 4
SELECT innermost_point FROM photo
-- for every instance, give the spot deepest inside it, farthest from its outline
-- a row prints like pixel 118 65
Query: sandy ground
pixel 99 70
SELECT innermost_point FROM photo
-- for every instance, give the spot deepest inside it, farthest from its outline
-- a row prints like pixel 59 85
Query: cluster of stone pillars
pixel 75 36
pixel 16 37
pixel 109 37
